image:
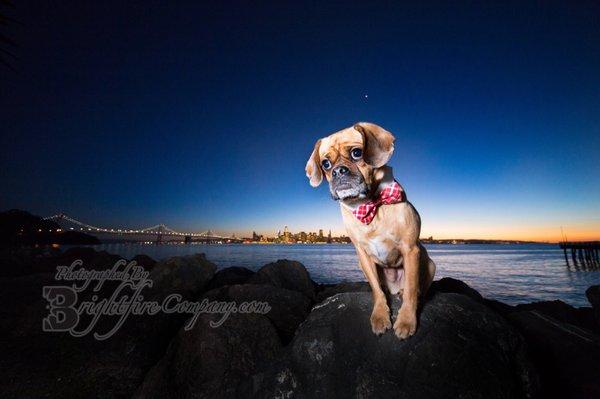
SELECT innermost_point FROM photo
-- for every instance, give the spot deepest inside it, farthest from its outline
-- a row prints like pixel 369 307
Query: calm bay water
pixel 509 273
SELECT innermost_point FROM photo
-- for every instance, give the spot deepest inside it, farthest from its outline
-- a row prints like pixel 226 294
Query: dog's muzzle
pixel 346 185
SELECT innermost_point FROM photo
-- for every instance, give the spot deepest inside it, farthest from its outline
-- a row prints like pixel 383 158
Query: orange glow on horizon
pixel 587 231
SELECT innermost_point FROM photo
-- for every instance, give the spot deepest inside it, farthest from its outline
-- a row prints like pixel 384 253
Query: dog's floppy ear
pixel 378 143
pixel 313 166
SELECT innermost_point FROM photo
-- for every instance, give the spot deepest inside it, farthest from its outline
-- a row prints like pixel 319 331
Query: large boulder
pixel 145 261
pixel 593 295
pixel 25 261
pixel 288 308
pixel 185 275
pixel 565 355
pixel 230 276
pixel 286 274
pixel 327 290
pixel 22 305
pixel 56 364
pixel 581 317
pixel 92 259
pixel 452 285
pixel 461 349
pixel 213 362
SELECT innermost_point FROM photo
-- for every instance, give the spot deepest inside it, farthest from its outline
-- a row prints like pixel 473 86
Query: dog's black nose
pixel 340 170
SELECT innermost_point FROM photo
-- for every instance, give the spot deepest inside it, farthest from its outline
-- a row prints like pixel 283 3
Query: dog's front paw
pixel 380 319
pixel 406 323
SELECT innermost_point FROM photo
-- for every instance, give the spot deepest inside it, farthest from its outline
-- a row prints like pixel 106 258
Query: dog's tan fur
pixel 388 248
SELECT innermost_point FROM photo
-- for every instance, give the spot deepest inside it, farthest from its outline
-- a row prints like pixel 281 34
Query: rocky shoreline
pixel 314 341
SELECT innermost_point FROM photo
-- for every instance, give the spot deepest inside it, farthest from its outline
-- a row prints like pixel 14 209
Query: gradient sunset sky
pixel 203 115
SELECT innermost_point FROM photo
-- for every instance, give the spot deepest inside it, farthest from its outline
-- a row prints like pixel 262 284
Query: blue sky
pixel 203 115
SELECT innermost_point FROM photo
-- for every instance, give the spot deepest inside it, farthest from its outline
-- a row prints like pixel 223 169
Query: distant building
pixel 257 237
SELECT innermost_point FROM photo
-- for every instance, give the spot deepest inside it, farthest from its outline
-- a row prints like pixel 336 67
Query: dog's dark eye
pixel 356 153
pixel 326 164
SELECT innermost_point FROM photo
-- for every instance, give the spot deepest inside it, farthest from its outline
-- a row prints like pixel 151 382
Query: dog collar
pixel 392 194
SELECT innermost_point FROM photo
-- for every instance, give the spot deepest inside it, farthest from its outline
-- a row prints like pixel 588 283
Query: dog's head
pixel 349 158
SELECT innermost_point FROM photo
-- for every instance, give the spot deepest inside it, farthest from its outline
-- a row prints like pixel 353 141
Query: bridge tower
pixel 159 236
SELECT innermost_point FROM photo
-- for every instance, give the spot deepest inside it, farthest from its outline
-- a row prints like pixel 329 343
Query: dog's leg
pixel 427 269
pixel 406 322
pixel 380 317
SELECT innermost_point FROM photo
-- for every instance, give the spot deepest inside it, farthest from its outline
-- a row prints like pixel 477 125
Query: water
pixel 509 273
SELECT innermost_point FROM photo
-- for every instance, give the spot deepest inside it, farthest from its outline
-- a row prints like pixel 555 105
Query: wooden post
pixel 588 255
pixel 566 257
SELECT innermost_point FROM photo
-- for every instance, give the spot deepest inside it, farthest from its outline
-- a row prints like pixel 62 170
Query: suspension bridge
pixel 159 232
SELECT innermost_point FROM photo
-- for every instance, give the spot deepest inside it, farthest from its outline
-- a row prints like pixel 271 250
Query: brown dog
pixel 383 226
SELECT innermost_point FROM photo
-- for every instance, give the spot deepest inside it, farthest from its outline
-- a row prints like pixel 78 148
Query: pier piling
pixel 583 254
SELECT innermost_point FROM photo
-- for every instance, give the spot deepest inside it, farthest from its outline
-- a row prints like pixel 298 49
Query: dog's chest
pixel 383 249
pixel 381 239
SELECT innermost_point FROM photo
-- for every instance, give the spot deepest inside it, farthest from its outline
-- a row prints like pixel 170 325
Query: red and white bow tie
pixel 389 195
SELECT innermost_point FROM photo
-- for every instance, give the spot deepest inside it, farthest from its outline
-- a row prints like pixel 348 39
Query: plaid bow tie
pixel 389 195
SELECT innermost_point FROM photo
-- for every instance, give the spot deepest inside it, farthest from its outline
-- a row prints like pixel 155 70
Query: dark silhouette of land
pixel 20 228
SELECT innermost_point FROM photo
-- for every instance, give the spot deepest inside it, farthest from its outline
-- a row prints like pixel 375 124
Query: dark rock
pixel 230 276
pixel 145 261
pixel 102 261
pixel 92 259
pixel 187 275
pixel 461 349
pixel 452 285
pixel 207 362
pixel 593 295
pixel 21 297
pixel 499 307
pixel 558 310
pixel 56 364
pixel 220 294
pixel 288 308
pixel 25 261
pixel 328 290
pixel 566 356
pixel 287 274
